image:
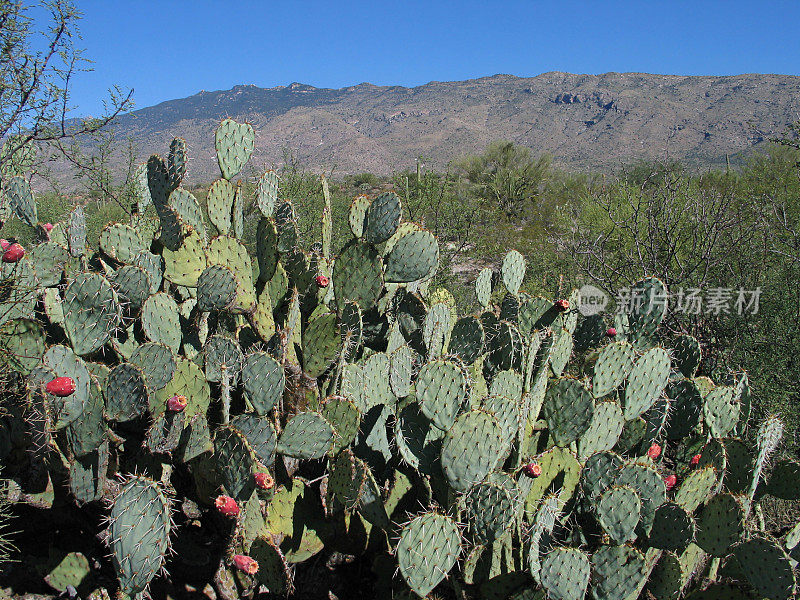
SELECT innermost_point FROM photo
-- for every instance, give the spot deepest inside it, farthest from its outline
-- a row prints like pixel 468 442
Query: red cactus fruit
pixel 246 564
pixel 61 386
pixel 695 460
pixel 611 332
pixel 532 469
pixel 227 506
pixel 177 403
pixel 561 305
pixel 4 244
pixel 14 253
pixel 48 227
pixel 670 480
pixel 264 480
pixel 322 281
pixel 654 451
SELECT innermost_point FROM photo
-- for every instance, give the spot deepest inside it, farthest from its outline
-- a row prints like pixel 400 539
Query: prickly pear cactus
pixel 327 400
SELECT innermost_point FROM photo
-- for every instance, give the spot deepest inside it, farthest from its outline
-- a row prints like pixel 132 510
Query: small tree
pixel 506 175
pixel 37 66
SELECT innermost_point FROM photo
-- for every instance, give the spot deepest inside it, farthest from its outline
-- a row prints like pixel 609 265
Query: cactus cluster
pixel 338 402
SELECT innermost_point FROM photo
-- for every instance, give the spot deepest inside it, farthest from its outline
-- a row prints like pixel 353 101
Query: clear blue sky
pixel 174 48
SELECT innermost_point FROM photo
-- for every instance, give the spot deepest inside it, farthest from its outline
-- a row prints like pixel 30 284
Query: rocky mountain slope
pixel 583 121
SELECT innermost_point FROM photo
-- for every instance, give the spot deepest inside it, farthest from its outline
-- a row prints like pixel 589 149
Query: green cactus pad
pixel 220 204
pixel 565 573
pixel 687 355
pixel 767 568
pixel 87 475
pixel 673 528
pixel 414 257
pixel 720 525
pixel 401 370
pixel 234 143
pixel 321 343
pixel 429 547
pixel 377 390
pixel 512 271
pixel 561 351
pixel 441 389
pixel 176 162
pixel 164 433
pixel 216 288
pixel 696 488
pixel 121 242
pixel 222 353
pixel 646 381
pixel 86 433
pixel 358 210
pixel 188 212
pixel 266 249
pixel 139 529
pixel 185 265
pixel 599 473
pixel 126 393
pixel 132 284
pixel 152 264
pixel 91 312
pixel 267 192
pixel 263 380
pixel 65 363
pixel 347 479
pixel 235 462
pixel 620 572
pixel 306 435
pixel 195 439
pixel 483 287
pixel 161 322
pixel 508 384
pixel 48 261
pixel 436 329
pixel 344 417
pixel 505 348
pixel 71 571
pixel 491 508
pixel 20 197
pixel 686 408
pixel 76 233
pixel 22 344
pixel 649 308
pixel 259 434
pixel 188 381
pixel 614 364
pixel 618 511
pixel 471 447
pixel 382 218
pixel 466 339
pixel 418 441
pixel 157 362
pixel 665 579
pixel 231 253
pixel 286 227
pixel 558 465
pixel 568 409
pixel 296 516
pixel 604 429
pixel 506 411
pixel 273 570
pixel 721 410
pixel 652 490
pixel 358 276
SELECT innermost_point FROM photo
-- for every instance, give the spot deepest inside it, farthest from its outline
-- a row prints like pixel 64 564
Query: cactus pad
pixel 565 574
pixel 618 511
pixel 429 547
pixel 568 409
pixel 91 312
pixel 307 435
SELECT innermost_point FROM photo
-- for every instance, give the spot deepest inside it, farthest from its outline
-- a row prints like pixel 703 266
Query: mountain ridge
pixel 597 122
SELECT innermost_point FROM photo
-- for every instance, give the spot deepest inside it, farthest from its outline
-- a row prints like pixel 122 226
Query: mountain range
pixel 598 122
